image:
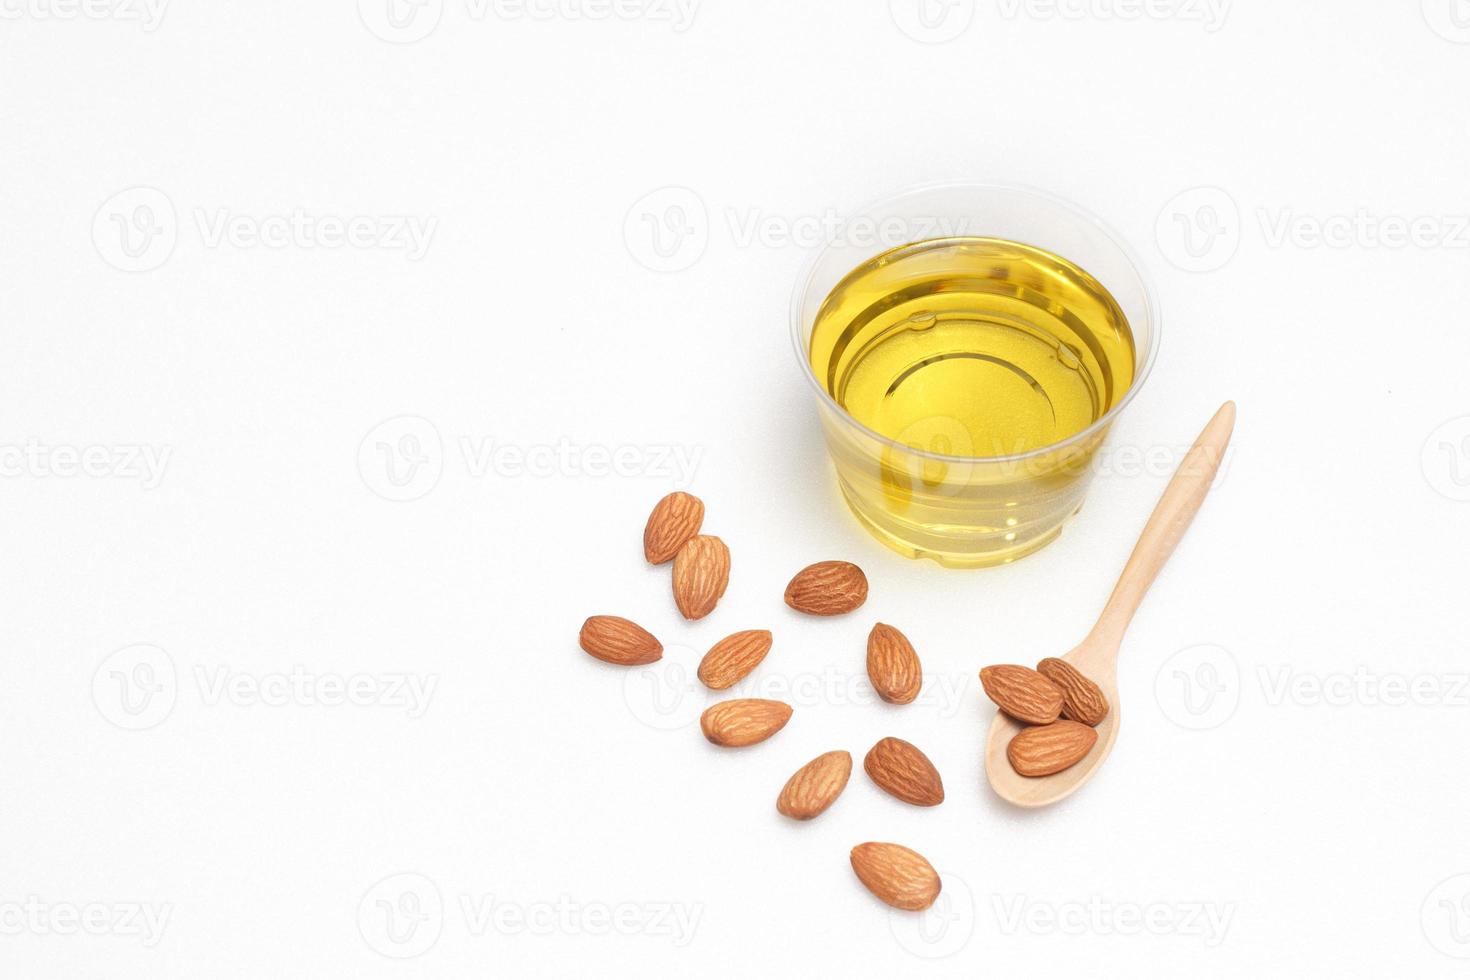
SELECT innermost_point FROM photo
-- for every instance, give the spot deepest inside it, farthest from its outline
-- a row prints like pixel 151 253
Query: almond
pixel 814 787
pixel 732 658
pixel 675 519
pixel 1082 700
pixel 1022 693
pixel 897 875
pixel 893 666
pixel 619 641
pixel 743 721
pixel 701 573
pixel 1045 749
pixel 828 588
pixel 901 770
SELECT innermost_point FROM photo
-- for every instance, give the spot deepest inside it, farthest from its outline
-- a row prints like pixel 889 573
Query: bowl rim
pixel 1141 371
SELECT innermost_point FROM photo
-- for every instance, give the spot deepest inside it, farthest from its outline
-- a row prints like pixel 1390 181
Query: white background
pixel 263 827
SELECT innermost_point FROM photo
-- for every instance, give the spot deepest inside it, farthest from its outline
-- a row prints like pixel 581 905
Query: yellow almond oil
pixel 975 348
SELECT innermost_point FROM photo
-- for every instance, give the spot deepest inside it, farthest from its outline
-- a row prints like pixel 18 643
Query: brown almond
pixel 1022 693
pixel 743 721
pixel 701 574
pixel 1082 700
pixel 731 659
pixel 675 519
pixel 897 875
pixel 1045 749
pixel 828 588
pixel 893 666
pixel 814 787
pixel 619 641
pixel 901 770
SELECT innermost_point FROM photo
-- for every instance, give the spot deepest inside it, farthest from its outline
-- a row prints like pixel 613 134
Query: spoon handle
pixel 1170 519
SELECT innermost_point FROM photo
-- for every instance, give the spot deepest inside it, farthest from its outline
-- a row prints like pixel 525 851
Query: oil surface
pixel 977 347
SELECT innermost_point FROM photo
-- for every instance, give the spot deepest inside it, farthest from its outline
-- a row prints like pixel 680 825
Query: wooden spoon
pixel 1097 655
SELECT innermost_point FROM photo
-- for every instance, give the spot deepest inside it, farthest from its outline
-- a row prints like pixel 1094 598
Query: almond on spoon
pixel 1022 693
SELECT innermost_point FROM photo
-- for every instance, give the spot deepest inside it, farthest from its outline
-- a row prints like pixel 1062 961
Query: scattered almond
pixel 893 666
pixel 901 770
pixel 743 721
pixel 675 519
pixel 1045 749
pixel 701 574
pixel 731 659
pixel 1082 700
pixel 1022 693
pixel 814 787
pixel 897 875
pixel 619 641
pixel 828 588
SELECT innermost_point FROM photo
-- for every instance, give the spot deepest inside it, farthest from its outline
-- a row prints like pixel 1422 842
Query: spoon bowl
pixel 1097 655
